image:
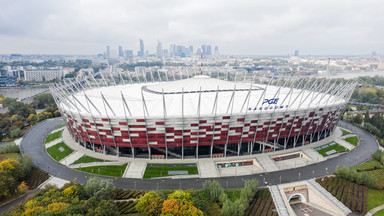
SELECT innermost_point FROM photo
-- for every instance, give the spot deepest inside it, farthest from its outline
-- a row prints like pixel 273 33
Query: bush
pixel 10 148
pixel 377 155
pixel 26 164
pixel 15 133
pixel 343 172
pixel 99 189
pixel 213 189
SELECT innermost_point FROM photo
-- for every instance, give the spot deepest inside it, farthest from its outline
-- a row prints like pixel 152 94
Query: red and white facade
pixel 200 116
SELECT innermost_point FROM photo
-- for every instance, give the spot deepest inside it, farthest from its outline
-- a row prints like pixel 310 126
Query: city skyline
pixel 248 28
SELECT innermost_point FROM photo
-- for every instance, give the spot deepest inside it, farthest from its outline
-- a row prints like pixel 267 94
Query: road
pixel 33 144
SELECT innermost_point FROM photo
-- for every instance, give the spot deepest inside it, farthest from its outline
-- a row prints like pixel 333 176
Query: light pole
pixel 299 176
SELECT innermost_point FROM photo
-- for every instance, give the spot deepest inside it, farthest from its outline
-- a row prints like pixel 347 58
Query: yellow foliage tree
pixel 33 211
pixel 69 191
pixel 57 208
pixel 22 187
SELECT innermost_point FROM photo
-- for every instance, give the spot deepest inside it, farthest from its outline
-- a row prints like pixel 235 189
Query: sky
pixel 237 27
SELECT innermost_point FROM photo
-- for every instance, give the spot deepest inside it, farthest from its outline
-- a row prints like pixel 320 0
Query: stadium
pixel 199 116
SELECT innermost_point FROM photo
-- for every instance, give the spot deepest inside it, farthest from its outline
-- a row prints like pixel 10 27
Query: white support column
pixel 125 106
pixel 230 119
pixel 214 111
pixel 165 125
pixel 146 126
pixel 109 122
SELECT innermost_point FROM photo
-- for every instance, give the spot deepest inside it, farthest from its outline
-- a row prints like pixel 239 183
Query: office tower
pixel 198 52
pixel 209 50
pixel 374 53
pixel 216 52
pixel 191 49
pixel 171 50
pixel 121 54
pixel 128 53
pixel 141 52
pixel 159 50
pixel 297 53
pixel 204 49
pixel 108 52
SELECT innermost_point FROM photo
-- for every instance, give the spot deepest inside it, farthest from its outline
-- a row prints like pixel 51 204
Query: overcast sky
pixel 255 27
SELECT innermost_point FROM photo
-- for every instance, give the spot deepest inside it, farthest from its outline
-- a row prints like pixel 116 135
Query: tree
pixel 16 132
pixel 32 119
pixel 7 184
pixel 21 109
pixel 180 196
pixel 105 208
pixel 13 168
pixel 57 208
pixel 143 205
pixel 213 189
pixel 99 189
pixel 26 163
pixel 43 100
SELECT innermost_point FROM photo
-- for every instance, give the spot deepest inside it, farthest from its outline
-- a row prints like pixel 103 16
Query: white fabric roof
pixel 133 94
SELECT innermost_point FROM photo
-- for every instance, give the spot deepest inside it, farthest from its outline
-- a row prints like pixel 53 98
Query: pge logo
pixel 270 101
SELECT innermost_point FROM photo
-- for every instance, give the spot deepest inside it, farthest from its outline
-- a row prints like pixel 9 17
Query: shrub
pixel 377 155
pixel 10 148
pixel 101 190
pixel 213 189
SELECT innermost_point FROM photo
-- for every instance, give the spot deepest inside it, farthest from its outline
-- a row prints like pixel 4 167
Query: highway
pixel 33 144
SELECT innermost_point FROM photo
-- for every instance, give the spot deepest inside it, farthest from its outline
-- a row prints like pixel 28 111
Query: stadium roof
pixel 183 97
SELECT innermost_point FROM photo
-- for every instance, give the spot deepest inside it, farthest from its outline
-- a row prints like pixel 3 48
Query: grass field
pixel 375 198
pixel 61 126
pixel 6 156
pixel 367 166
pixel 346 132
pixel 112 170
pixel 353 140
pixel 380 176
pixel 159 170
pixel 56 153
pixel 336 147
pixel 87 159
pixel 53 136
pixel 379 213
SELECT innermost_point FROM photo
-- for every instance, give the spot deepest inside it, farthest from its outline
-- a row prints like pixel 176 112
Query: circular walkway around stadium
pixel 33 144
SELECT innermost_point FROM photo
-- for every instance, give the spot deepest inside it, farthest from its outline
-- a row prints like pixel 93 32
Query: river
pixel 20 92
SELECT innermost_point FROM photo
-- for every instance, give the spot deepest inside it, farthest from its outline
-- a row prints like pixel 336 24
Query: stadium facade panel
pixel 200 116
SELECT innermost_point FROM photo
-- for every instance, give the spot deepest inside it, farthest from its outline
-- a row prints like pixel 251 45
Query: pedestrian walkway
pixel 374 210
pixel 345 144
pixel 135 169
pixel 54 181
pixel 267 163
pixel 330 197
pixel 91 164
pixel 207 168
pixel 71 158
pixel 54 142
pixel 58 129
pixel 314 155
pixel 278 200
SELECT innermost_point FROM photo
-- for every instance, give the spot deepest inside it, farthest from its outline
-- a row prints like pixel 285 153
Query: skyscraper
pixel 141 52
pixel 209 50
pixel 108 52
pixel 204 49
pixel 297 53
pixel 216 52
pixel 121 54
pixel 190 49
pixel 159 50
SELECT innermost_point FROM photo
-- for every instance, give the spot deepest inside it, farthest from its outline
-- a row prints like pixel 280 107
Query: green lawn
pixel 87 159
pixel 353 140
pixel 380 177
pixel 336 147
pixel 375 198
pixel 53 136
pixel 61 126
pixel 56 153
pixel 379 213
pixel 346 132
pixel 159 170
pixel 370 165
pixel 112 170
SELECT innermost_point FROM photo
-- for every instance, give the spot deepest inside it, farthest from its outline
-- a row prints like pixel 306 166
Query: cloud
pixel 237 27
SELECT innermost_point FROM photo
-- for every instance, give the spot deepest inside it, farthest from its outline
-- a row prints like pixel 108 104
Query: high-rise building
pixel 209 50
pixel 141 52
pixel 159 50
pixel 108 52
pixel 198 52
pixel 172 50
pixel 190 49
pixel 297 53
pixel 121 54
pixel 216 52
pixel 128 53
pixel 204 49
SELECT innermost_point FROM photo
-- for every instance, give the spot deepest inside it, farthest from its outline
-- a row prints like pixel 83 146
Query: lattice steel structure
pixel 198 116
